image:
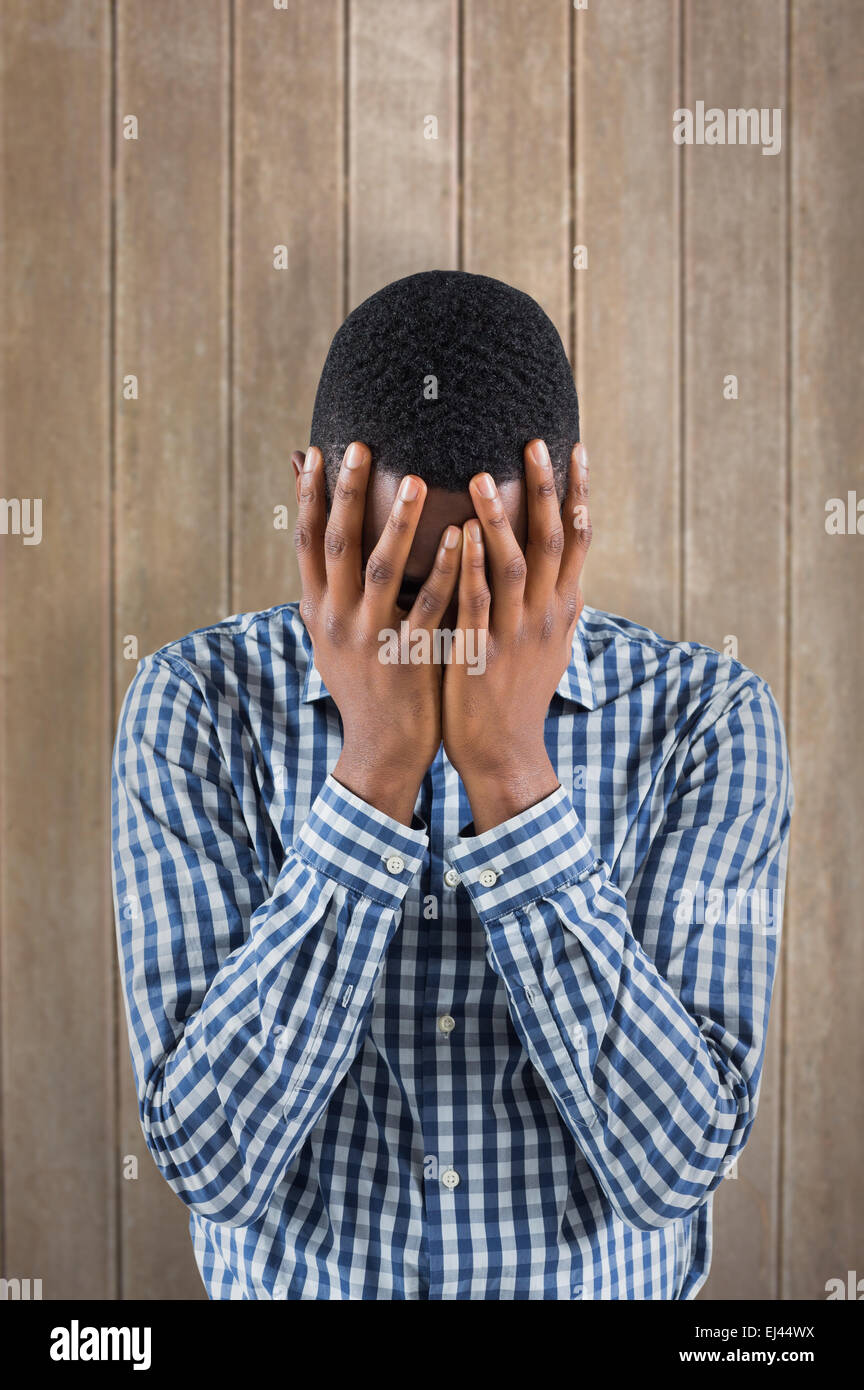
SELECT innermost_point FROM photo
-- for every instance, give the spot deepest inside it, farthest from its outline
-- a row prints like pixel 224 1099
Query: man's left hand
pixel 493 722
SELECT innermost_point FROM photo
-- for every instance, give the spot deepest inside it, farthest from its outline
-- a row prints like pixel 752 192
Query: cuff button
pixel 395 864
pixel 488 878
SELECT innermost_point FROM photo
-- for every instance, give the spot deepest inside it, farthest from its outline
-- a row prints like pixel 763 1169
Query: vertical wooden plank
pixel 402 187
pixel 289 193
pixel 171 515
pixel 734 582
pixel 58 942
pixel 823 1203
pixel 627 303
pixel 517 153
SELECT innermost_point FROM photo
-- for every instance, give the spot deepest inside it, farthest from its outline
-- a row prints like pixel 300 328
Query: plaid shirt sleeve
pixel 646 1015
pixel 245 1006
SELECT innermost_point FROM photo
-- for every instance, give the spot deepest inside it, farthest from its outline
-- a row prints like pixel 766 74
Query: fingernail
pixel 451 538
pixel 582 457
pixel 540 454
pixel 355 456
pixel 486 485
pixel 409 489
pixel 310 460
pixel 474 531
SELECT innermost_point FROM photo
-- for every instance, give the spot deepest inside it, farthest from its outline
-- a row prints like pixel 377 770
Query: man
pixel 447 980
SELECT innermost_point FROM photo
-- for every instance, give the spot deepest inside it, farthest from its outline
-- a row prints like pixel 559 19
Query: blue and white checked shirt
pixel 379 1062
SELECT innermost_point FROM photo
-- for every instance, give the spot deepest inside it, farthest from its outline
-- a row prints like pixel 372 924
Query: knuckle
pixel 572 606
pixel 427 600
pixel 477 601
pixel 335 628
pixel 515 569
pixel 379 570
pixel 302 537
pixel 498 519
pixel 444 567
pixel 547 626
pixel 346 493
pixel 553 543
pixel 397 524
pixel 547 489
pixel 335 543
pixel 307 609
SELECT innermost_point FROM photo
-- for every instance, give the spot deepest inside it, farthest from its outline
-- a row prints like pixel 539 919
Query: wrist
pixel 389 784
pixel 497 793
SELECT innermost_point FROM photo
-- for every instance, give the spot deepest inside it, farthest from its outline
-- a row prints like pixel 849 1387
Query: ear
pixel 297 463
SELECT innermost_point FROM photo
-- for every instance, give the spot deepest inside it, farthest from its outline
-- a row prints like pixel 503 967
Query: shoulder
pixel 627 655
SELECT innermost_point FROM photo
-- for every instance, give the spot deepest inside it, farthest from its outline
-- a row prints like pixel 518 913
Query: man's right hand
pixel 391 713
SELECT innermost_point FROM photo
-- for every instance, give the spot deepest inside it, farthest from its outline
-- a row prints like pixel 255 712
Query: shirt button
pixel 451 878
pixel 446 1023
pixel 450 1177
pixel 395 864
pixel 488 878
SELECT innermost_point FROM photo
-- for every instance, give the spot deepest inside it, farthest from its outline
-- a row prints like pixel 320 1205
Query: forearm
pixel 226 1106
pixel 637 1064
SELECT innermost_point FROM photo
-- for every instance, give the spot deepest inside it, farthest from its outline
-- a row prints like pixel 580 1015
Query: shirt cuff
pixel 359 846
pixel 525 858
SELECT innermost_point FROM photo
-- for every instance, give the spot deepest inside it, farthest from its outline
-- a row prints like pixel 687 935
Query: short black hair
pixel 447 374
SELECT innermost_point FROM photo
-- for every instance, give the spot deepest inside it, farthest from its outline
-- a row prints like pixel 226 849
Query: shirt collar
pixel 575 685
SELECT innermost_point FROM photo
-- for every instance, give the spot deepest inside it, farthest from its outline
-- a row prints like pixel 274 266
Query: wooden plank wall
pixel 158 258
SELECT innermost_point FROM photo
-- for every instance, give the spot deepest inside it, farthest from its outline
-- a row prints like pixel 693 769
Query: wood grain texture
pixel 172 442
pixel 305 128
pixel 402 187
pixel 735 483
pixel 288 193
pixel 516 159
pixel 823 1206
pixel 58 1166
pixel 627 304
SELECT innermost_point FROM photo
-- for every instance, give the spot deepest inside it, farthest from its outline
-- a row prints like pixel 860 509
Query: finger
pixel 431 602
pixel 343 535
pixel 577 529
pixel 386 565
pixel 309 531
pixel 506 562
pixel 474 596
pixel 297 458
pixel 545 531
